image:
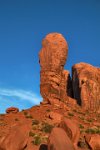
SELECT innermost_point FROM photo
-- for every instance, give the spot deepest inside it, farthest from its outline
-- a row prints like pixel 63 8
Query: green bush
pixel 31 134
pixel 46 127
pixel 81 126
pixel 37 140
pixel 93 131
pixel 35 122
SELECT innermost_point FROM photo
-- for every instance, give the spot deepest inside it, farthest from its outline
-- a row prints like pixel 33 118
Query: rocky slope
pixel 69 116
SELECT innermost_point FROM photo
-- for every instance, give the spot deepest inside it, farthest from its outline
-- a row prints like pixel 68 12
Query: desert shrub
pixel 46 127
pixel 25 113
pixel 82 131
pixel 81 126
pixel 35 122
pixel 37 140
pixel 29 116
pixel 70 114
pixel 90 120
pixel 93 131
pixel 79 112
pixel 31 134
pixel 34 127
pixel 44 139
pixel 48 110
pixel 82 118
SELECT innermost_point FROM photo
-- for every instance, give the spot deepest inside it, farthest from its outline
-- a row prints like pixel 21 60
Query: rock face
pixel 16 139
pixel 55 117
pixel 93 141
pixel 12 110
pixel 72 130
pixel 86 86
pixel 55 81
pixel 58 140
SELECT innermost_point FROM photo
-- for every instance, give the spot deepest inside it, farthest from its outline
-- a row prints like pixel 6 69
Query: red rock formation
pixel 93 141
pixel 16 139
pixel 72 130
pixel 86 86
pixel 58 140
pixel 12 110
pixel 55 81
pixel 55 117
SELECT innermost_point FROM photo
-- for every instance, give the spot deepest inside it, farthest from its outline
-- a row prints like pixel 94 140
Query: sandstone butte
pixel 68 118
pixel 55 82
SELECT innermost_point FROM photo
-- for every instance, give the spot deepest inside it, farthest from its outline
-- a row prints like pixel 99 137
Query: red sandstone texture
pixel 16 138
pixel 58 123
pixel 32 129
pixel 12 110
pixel 55 81
pixel 71 129
pixel 93 141
pixel 58 140
pixel 86 86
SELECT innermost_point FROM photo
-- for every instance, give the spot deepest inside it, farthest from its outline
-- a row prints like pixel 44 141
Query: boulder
pixel 12 110
pixel 86 86
pixel 58 140
pixel 55 117
pixel 93 141
pixel 72 130
pixel 16 138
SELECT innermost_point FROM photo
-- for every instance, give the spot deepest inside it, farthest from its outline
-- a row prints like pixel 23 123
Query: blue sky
pixel 23 24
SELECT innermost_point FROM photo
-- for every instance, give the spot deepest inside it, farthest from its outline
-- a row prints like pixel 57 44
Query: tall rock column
pixel 52 58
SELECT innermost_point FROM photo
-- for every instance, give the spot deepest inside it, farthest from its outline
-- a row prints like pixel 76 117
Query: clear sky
pixel 23 25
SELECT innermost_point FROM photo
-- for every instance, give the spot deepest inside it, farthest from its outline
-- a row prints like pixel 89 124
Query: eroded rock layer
pixel 86 86
pixel 54 80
